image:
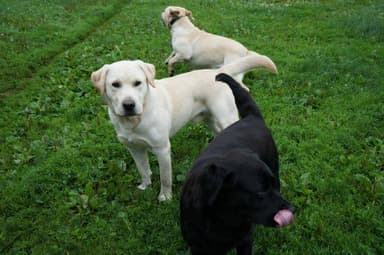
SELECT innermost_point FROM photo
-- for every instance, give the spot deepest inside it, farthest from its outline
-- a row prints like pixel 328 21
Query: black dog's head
pixel 239 188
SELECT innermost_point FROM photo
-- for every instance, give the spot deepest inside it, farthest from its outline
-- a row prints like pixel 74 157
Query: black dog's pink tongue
pixel 283 217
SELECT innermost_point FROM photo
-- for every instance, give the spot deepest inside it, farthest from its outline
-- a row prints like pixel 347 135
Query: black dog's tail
pixel 244 101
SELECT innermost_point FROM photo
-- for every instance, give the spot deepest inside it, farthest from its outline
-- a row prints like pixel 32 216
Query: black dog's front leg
pixel 245 247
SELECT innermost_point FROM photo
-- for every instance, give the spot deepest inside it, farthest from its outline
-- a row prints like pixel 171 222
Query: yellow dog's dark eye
pixel 116 84
pixel 137 83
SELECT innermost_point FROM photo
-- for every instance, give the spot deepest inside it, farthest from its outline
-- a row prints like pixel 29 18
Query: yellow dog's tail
pixel 245 64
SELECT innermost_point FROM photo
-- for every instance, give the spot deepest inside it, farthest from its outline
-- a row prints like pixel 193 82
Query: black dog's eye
pixel 137 83
pixel 116 84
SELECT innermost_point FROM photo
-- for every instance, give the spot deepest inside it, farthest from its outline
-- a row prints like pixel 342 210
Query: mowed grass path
pixel 67 186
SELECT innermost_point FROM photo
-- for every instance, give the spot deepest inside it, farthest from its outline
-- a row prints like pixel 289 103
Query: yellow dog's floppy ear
pixel 174 13
pixel 188 13
pixel 98 78
pixel 149 71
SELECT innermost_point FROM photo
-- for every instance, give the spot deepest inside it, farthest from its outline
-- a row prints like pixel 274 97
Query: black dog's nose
pixel 129 105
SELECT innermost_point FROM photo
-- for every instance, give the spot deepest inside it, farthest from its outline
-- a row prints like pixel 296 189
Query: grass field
pixel 67 186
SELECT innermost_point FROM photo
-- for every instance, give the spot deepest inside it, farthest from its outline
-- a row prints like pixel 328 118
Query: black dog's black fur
pixel 233 185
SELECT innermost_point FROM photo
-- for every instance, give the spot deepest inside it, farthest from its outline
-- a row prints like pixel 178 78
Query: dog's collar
pixel 173 21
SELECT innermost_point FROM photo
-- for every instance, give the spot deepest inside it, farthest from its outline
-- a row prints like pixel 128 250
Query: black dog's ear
pixel 212 182
pixel 270 175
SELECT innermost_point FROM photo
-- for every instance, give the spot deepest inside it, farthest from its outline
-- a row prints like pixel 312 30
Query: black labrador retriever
pixel 233 185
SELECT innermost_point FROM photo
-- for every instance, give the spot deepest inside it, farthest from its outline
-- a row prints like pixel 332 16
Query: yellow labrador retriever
pixel 147 112
pixel 197 47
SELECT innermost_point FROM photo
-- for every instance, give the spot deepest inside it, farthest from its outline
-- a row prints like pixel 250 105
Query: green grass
pixel 69 187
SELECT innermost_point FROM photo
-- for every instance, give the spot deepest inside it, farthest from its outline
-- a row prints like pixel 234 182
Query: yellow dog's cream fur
pixel 162 107
pixel 199 48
